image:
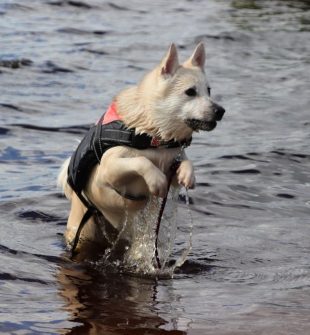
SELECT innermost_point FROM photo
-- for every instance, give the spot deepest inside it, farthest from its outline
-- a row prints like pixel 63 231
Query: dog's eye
pixel 191 92
pixel 209 90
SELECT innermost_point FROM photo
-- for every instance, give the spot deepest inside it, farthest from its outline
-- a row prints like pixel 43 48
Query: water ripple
pixel 50 68
pixel 77 4
pixel 10 277
pixel 15 63
pixel 80 129
pixel 61 62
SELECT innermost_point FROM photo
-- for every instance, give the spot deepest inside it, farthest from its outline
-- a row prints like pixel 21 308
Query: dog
pixel 170 103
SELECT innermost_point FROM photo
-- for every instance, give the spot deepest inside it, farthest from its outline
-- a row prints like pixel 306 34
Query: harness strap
pixel 90 211
pixel 116 133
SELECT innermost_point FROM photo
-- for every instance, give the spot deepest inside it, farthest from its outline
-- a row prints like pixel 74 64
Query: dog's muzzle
pixel 196 124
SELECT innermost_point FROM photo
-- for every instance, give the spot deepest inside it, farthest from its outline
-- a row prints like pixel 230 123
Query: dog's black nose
pixel 219 112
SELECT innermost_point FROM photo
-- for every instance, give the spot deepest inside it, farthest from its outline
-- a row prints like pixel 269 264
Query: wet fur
pixel 159 107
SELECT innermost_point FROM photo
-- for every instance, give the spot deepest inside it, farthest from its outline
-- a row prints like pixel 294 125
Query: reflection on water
pixel 93 302
pixel 61 62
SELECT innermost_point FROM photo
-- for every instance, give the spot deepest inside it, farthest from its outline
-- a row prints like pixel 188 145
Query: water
pixel 248 271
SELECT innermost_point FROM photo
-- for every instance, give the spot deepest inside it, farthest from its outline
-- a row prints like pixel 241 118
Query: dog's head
pixel 179 96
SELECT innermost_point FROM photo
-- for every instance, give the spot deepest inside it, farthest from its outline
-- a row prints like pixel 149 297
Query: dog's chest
pixel 161 157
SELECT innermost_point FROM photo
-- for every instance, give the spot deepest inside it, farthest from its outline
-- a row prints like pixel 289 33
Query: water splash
pixel 180 261
pixel 138 256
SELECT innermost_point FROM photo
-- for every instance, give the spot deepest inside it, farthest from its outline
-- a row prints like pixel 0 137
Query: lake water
pixel 61 62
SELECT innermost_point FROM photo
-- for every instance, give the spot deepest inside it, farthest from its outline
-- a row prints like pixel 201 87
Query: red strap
pixel 155 142
pixel 111 114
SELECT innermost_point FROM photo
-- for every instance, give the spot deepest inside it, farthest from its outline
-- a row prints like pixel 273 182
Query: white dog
pixel 127 157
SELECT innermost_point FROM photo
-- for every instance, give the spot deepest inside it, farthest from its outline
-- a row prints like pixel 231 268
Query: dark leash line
pixel 88 214
pixel 175 165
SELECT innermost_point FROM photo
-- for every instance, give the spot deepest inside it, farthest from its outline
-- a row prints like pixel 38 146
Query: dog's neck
pixel 136 113
pixel 147 141
pixel 133 113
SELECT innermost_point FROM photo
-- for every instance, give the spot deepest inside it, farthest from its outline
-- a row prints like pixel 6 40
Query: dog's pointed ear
pixel 170 62
pixel 198 57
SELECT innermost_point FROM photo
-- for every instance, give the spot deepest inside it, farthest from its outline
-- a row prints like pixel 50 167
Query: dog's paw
pixel 157 183
pixel 185 174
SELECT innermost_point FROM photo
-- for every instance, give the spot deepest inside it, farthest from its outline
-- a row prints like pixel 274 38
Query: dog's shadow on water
pixel 109 302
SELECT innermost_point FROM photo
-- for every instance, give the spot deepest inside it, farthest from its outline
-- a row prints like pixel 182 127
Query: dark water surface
pixel 61 62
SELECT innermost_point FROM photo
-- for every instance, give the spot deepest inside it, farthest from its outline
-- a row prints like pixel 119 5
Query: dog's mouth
pixel 196 124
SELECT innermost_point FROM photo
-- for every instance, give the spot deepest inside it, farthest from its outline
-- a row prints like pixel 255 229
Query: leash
pixel 175 165
pixel 88 214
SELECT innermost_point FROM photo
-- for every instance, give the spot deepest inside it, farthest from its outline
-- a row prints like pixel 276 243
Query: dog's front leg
pixel 185 174
pixel 123 173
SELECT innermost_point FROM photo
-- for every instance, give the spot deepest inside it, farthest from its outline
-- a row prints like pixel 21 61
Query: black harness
pixel 96 142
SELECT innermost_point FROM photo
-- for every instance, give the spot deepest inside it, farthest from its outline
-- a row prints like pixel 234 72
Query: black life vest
pixel 96 142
